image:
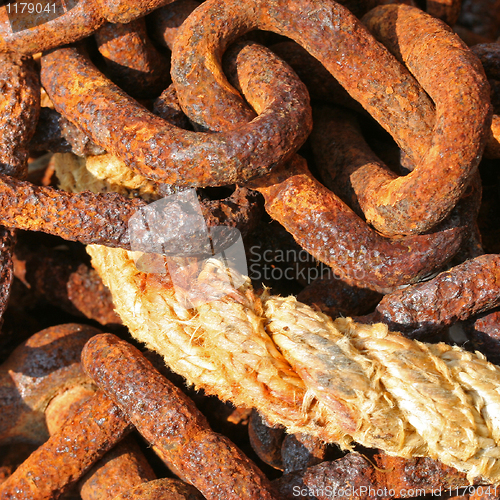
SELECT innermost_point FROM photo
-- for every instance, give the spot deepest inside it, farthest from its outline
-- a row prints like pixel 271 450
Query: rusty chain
pixel 377 230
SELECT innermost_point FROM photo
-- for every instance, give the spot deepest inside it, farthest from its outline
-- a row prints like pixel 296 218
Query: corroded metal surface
pixel 162 152
pixel 453 77
pixel 81 144
pixel 46 363
pixel 76 23
pixel 266 441
pixel 61 279
pixel 166 21
pixel 84 438
pixel 54 133
pixel 119 471
pixel 45 272
pixel 353 470
pixel 489 55
pixel 446 10
pixel 79 21
pixel 167 106
pixel 6 267
pixel 124 11
pixel 346 162
pixel 47 136
pixel 343 158
pixel 388 477
pixel 132 61
pixel 336 298
pixel 320 83
pixel 242 210
pixel 492 149
pixel 103 218
pixel 391 96
pixel 333 234
pixel 85 217
pixel 464 290
pixel 319 221
pixel 20 105
pixel 171 422
pixel 162 489
pixel 484 335
pixel 46 384
pixel 300 451
pixel 424 474
pixel 237 153
pixel 329 32
pixel 90 296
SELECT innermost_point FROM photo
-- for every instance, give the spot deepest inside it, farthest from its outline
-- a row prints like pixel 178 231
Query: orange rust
pixel 119 471
pixel 170 421
pixel 162 152
pixel 132 61
pixel 48 362
pixel 453 77
pixel 465 290
pixel 319 221
pixel 20 105
pixel 58 463
pixel 77 22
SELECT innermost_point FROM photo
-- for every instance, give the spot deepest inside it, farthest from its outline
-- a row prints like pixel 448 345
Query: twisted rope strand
pixel 341 381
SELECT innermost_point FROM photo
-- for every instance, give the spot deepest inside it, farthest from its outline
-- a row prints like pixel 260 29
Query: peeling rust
pixel 170 421
pixel 162 152
pixel 454 79
pixel 319 221
pixel 54 467
pixel 131 60
pixel 453 295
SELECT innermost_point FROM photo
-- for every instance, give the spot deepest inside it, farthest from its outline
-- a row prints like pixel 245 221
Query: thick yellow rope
pixel 339 380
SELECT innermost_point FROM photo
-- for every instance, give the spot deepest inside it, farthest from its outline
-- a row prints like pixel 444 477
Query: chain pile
pixel 376 75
